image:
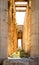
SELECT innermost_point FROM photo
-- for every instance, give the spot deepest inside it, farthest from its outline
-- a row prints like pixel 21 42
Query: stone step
pixel 21 61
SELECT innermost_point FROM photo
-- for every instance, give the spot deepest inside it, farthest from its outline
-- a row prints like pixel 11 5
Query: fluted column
pixel 12 33
pixel 15 28
pixel 35 28
pixel 10 28
pixel 3 28
pixel 26 30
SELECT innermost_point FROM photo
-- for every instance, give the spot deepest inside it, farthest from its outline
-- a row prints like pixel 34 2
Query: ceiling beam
pixel 23 5
pixel 20 10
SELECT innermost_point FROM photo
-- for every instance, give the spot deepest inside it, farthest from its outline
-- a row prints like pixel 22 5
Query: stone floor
pixel 20 61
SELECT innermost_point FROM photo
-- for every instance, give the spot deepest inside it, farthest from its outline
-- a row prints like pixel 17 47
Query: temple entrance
pixel 19 32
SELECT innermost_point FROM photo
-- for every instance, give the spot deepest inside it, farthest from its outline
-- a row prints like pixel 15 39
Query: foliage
pixel 20 54
pixel 15 55
pixel 23 54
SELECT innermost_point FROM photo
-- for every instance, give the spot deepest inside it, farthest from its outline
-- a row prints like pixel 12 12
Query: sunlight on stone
pixel 21 8
pixel 15 55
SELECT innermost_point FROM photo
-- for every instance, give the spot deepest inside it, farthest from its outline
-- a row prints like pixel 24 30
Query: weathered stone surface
pixel 3 28
pixel 26 31
pixel 34 28
pixel 12 32
pixel 16 62
pixel 25 61
pixel 8 33
pixel 31 30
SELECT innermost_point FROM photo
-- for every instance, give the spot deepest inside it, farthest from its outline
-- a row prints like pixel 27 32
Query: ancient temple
pixel 10 32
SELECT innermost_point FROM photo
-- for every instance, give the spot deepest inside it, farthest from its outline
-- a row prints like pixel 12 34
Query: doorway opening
pixel 19 43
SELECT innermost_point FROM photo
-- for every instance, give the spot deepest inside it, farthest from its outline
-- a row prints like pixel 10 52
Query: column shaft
pixel 35 28
pixel 3 28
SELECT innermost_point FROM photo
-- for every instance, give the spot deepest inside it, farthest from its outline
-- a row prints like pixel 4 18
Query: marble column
pixel 3 28
pixel 35 28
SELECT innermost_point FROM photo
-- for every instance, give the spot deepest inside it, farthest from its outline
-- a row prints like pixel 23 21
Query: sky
pixel 20 18
pixel 19 43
